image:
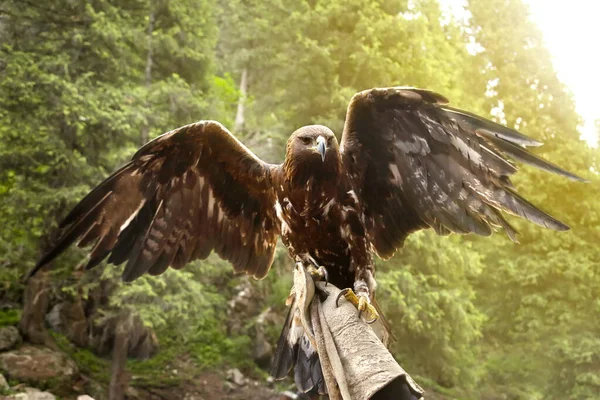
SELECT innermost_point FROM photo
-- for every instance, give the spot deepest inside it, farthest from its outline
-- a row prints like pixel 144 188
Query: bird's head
pixel 312 142
pixel 312 150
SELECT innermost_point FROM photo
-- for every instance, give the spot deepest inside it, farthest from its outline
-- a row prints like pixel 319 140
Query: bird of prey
pixel 406 161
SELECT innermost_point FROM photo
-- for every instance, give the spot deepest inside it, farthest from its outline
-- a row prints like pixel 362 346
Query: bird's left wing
pixel 188 192
pixel 416 163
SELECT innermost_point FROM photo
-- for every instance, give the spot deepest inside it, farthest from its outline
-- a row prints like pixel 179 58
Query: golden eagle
pixel 406 162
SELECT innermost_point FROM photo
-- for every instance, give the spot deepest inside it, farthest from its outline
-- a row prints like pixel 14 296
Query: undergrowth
pixel 9 317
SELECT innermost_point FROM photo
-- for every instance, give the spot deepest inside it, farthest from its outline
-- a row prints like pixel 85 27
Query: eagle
pixel 406 161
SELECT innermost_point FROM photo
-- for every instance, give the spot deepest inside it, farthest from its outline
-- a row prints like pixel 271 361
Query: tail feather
pixel 318 378
pixel 308 374
pixel 294 350
pixel 283 359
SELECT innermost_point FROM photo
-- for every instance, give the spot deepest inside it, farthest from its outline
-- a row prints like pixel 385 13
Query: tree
pixel 533 293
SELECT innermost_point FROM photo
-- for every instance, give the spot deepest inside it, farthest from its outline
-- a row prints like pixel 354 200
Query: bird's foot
pixel 362 302
pixel 318 273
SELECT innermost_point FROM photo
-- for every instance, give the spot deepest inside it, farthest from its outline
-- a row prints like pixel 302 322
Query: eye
pixel 306 140
pixel 329 140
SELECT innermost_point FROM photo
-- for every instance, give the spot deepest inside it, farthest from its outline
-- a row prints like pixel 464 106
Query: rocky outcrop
pixel 263 349
pixel 243 306
pixel 36 365
pixel 9 338
pixel 3 384
pixel 32 394
pixel 70 319
pixel 235 375
pixel 142 342
pixel 246 306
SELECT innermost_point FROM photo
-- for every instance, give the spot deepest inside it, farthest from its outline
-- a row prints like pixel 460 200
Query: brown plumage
pixel 186 193
pixel 406 162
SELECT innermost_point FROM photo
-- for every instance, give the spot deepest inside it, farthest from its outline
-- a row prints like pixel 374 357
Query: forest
pixel 83 84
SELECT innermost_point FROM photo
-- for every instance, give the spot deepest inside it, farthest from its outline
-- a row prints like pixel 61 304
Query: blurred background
pixel 85 83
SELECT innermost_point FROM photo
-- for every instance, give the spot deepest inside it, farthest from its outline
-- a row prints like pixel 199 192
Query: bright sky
pixel 571 31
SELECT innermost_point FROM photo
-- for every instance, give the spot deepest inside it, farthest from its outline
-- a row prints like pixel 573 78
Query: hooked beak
pixel 321 147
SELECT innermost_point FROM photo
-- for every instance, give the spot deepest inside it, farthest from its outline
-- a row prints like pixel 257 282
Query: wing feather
pixel 489 128
pixel 184 194
pixel 416 163
pixel 521 154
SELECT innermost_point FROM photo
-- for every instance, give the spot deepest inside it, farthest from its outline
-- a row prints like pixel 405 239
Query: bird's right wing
pixel 417 163
pixel 188 192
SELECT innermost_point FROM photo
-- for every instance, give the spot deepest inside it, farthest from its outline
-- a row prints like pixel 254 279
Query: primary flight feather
pixel 406 162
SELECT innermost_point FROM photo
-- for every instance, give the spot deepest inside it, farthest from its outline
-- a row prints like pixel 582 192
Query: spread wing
pixel 416 163
pixel 188 192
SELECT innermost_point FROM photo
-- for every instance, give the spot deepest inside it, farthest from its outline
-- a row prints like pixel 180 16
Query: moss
pixel 88 363
pixel 158 370
pixel 12 382
pixel 449 393
pixel 9 317
pixel 96 367
pixel 214 348
pixel 209 349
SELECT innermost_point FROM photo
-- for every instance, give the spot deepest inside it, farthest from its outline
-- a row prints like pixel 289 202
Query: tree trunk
pixel 35 305
pixel 119 376
pixel 239 116
pixel 148 73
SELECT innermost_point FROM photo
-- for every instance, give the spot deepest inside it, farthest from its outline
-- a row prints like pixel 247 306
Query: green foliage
pixel 90 364
pixel 428 297
pixel 431 384
pixel 9 317
pixel 177 297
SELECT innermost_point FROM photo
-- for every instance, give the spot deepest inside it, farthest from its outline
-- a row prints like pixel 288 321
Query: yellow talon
pixel 318 274
pixel 362 303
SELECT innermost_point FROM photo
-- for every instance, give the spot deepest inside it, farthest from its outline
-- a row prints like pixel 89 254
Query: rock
pixel 287 395
pixel 228 387
pixel 35 365
pixel 263 350
pixel 243 306
pixel 84 397
pixel 192 396
pixel 95 390
pixel 3 384
pixel 87 331
pixel 69 319
pixel 53 318
pixel 33 394
pixel 234 375
pixel 132 393
pixel 9 338
pixel 142 341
